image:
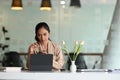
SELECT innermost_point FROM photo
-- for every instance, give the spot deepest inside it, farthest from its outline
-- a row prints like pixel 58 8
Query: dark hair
pixel 41 25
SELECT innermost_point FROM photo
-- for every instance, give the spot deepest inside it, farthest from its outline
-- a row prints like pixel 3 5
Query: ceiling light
pixel 45 5
pixel 16 5
pixel 75 3
pixel 62 2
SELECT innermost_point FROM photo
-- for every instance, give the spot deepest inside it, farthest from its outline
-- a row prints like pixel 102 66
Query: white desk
pixel 59 76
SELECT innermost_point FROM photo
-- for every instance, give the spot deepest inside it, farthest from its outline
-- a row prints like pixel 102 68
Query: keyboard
pixel 93 70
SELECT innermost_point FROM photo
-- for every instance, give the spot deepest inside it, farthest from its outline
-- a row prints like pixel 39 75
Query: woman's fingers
pixel 35 48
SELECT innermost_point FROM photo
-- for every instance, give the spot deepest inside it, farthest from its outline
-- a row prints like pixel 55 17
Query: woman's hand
pixel 34 48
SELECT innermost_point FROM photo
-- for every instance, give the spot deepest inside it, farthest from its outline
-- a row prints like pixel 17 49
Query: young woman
pixel 45 45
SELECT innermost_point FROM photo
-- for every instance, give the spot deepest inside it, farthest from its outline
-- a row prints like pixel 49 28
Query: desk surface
pixel 60 75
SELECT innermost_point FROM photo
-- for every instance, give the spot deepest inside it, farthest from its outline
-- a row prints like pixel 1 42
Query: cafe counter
pixel 26 75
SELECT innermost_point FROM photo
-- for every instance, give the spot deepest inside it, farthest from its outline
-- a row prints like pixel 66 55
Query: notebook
pixel 41 62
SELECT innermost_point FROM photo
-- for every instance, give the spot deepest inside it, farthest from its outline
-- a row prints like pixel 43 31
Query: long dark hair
pixel 41 25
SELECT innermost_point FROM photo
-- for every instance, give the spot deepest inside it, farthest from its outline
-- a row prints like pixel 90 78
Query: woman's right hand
pixel 34 48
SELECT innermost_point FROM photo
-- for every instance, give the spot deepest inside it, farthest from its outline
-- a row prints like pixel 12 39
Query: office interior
pixel 94 22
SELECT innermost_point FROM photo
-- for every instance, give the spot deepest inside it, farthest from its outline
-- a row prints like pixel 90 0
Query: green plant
pixel 77 49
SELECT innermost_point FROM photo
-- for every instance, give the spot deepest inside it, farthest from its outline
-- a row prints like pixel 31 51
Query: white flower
pixel 76 42
pixel 82 42
pixel 63 42
pixel 77 49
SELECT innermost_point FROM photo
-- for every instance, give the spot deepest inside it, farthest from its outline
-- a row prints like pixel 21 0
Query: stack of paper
pixel 13 69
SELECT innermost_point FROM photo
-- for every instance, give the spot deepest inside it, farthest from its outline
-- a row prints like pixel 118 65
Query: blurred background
pixel 90 21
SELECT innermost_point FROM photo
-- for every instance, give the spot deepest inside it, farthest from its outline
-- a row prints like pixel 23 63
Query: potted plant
pixel 76 52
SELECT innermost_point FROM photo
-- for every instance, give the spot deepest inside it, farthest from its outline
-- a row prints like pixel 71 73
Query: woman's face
pixel 43 34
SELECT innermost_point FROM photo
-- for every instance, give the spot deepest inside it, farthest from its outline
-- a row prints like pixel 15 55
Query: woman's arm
pixel 59 61
pixel 28 59
pixel 32 50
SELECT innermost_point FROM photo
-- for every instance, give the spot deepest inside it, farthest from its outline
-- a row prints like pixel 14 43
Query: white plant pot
pixel 73 67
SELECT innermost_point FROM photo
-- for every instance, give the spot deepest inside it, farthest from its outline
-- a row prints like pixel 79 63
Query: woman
pixel 45 45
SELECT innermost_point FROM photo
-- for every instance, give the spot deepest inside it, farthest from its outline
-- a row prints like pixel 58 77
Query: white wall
pixel 90 23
